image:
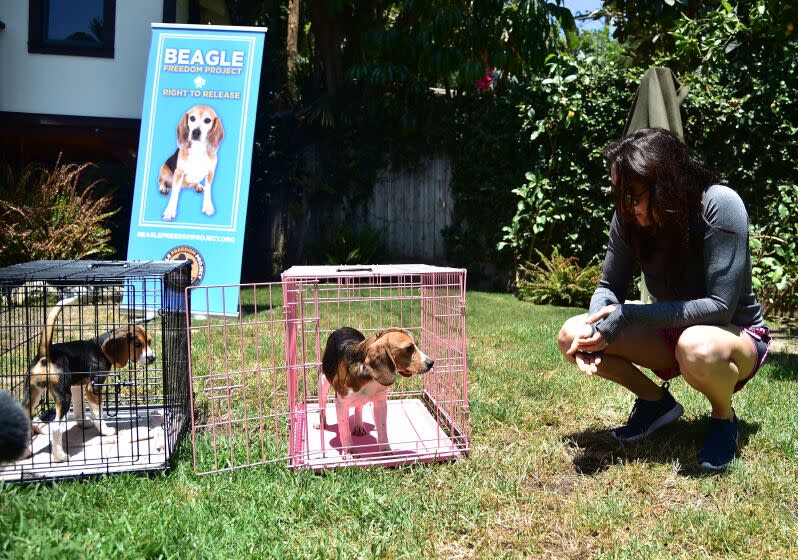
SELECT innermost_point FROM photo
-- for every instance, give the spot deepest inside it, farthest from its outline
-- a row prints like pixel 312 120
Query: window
pixel 72 27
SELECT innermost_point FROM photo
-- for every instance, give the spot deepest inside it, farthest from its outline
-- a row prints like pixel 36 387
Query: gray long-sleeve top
pixel 717 285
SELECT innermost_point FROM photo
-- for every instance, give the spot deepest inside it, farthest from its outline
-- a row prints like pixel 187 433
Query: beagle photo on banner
pixel 193 164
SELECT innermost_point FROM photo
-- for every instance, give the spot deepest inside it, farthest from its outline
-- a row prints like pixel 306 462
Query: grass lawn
pixel 544 479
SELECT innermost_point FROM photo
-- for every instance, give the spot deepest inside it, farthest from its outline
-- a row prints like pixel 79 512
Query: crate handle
pixel 108 264
pixel 354 269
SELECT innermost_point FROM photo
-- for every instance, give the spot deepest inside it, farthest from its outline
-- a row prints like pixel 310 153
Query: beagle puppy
pixel 198 137
pixel 362 370
pixel 64 369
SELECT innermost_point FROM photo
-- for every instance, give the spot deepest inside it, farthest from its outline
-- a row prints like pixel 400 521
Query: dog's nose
pixel 428 363
pixel 151 359
pixel 195 134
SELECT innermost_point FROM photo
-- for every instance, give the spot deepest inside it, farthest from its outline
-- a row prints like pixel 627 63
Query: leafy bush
pixel 740 118
pixel 488 158
pixel 774 247
pixel 48 214
pixel 349 246
pixel 558 280
pixel 569 115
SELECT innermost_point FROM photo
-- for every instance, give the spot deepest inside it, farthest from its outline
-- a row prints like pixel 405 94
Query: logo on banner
pixel 186 253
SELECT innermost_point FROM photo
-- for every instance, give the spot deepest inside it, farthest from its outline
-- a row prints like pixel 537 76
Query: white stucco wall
pixel 76 85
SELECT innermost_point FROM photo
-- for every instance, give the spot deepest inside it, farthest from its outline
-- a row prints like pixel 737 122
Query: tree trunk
pixel 292 41
pixel 326 29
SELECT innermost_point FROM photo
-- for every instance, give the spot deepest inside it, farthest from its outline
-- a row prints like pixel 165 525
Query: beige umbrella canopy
pixel 656 105
pixel 657 102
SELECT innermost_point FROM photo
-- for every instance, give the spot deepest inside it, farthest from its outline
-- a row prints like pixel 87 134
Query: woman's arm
pixel 725 258
pixel 617 271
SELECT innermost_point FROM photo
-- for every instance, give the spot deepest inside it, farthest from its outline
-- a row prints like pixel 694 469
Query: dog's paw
pixel 321 422
pixel 385 447
pixel 359 430
pixel 198 188
pixel 162 189
pixel 169 214
pixel 107 430
pixel 346 452
pixel 208 209
pixel 59 456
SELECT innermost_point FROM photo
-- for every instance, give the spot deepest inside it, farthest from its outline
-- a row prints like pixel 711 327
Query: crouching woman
pixel 688 233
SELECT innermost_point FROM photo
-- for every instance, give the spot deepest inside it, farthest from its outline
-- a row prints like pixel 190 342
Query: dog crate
pixel 109 305
pixel 255 376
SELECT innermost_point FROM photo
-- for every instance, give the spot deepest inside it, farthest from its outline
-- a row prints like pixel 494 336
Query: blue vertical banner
pixel 195 152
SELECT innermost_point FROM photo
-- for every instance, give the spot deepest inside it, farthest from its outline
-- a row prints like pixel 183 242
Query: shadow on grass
pixel 249 309
pixel 596 450
pixel 783 365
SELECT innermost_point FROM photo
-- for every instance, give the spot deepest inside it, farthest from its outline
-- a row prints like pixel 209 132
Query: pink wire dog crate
pixel 254 378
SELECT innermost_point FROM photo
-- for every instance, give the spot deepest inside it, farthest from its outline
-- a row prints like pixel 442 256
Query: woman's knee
pixel 697 350
pixel 570 329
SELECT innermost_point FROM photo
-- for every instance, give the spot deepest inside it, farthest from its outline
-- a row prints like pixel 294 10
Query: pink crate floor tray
pixel 413 434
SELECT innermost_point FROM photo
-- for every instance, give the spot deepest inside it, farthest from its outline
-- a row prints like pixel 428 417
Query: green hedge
pixel 740 118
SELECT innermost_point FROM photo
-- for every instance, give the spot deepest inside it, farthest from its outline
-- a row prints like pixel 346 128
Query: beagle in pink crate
pixel 193 164
pixel 362 370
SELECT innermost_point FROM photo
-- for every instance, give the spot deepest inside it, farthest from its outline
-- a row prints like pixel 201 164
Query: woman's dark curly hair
pixel 656 160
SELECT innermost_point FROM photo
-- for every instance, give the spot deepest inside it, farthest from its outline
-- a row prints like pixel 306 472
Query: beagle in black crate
pixel 362 370
pixel 67 368
pixel 199 134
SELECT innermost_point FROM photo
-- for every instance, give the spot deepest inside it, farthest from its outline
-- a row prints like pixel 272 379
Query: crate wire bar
pixel 254 377
pixel 146 404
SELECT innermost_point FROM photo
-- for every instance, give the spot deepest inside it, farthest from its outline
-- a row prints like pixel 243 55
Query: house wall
pixel 77 85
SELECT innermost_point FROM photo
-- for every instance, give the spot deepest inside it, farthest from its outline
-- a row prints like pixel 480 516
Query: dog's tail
pixel 49 327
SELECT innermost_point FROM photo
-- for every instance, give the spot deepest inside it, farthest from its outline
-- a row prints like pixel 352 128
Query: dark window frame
pixel 39 44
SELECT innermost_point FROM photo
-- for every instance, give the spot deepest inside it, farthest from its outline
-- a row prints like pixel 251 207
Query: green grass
pixel 543 479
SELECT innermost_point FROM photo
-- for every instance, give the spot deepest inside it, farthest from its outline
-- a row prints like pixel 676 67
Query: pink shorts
pixel 759 336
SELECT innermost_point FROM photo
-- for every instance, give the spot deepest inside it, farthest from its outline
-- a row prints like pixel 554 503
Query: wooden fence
pixel 410 208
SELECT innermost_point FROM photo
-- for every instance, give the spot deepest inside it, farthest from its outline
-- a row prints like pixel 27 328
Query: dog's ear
pixel 215 135
pixel 379 364
pixel 117 347
pixel 182 132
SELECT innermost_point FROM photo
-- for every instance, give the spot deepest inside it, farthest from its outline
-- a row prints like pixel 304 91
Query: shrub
pixel 558 280
pixel 740 118
pixel 774 248
pixel 49 214
pixel 349 246
pixel 569 115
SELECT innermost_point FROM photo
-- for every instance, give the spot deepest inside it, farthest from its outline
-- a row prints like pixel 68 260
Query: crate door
pixel 248 377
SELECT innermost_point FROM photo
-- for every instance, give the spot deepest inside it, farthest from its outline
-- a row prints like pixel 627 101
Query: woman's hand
pixel 588 347
pixel 588 363
pixel 601 313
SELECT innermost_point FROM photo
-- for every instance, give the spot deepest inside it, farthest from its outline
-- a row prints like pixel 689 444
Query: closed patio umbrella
pixel 656 105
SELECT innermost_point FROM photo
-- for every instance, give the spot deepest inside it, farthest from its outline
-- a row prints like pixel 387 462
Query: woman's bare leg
pixel 712 360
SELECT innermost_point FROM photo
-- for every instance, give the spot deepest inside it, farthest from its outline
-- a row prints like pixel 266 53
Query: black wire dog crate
pixel 109 393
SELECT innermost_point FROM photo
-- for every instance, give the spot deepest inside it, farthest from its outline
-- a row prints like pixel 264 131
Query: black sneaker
pixel 649 416
pixel 720 445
